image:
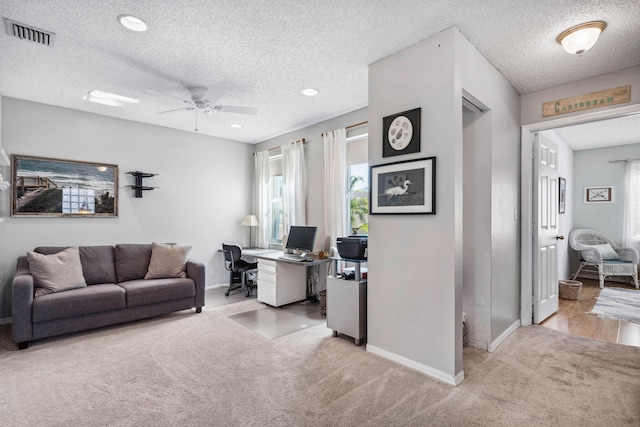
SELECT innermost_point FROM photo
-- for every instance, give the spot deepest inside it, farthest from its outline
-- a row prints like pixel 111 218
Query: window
pixel 358 198
pixel 276 230
pixel 633 201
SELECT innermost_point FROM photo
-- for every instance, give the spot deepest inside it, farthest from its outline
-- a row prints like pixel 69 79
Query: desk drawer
pixel 267 266
pixel 266 276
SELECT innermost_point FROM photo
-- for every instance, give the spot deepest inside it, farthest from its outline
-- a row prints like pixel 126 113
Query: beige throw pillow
pixel 168 261
pixel 56 272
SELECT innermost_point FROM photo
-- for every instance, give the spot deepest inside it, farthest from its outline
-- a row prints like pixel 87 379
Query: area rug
pixel 618 303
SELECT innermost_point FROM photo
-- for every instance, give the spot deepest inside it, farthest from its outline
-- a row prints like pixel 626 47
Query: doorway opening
pixel 528 265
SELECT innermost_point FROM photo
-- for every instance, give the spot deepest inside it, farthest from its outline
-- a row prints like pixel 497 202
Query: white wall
pixel 532 102
pixel 478 78
pixel 204 186
pixel 565 221
pixel 592 169
pixel 314 158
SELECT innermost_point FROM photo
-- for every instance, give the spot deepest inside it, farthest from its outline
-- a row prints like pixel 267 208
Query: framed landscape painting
pixel 407 187
pixel 63 188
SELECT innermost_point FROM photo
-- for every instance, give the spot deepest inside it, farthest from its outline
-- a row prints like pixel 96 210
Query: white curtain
pixel 630 234
pixel 335 184
pixel 261 199
pixel 294 189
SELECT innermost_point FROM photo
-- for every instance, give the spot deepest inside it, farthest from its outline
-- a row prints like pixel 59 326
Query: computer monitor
pixel 301 238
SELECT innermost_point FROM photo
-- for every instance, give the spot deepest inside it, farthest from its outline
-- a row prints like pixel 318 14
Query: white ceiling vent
pixel 26 32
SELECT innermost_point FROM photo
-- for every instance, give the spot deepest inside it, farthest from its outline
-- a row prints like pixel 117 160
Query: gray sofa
pixel 116 292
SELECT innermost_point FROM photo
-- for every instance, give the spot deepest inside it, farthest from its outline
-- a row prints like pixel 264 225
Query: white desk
pixel 281 281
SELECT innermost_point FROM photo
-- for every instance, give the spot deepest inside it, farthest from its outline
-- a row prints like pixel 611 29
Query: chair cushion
pixel 77 302
pixel 168 261
pixel 142 292
pixel 606 251
pixel 132 261
pixel 57 272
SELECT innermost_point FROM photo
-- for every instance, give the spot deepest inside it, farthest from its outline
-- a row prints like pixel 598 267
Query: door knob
pixel 559 237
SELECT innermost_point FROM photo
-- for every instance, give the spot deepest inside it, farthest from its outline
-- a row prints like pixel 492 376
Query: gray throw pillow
pixel 57 272
pixel 168 261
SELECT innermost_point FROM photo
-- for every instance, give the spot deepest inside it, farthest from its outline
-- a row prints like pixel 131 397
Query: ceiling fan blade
pixel 177 109
pixel 232 109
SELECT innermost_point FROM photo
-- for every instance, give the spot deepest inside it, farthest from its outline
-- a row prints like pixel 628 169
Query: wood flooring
pixel 573 318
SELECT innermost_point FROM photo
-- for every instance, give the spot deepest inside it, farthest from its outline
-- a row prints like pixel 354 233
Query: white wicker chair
pixel 583 240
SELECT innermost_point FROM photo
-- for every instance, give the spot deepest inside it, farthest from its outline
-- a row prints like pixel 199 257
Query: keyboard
pixel 291 257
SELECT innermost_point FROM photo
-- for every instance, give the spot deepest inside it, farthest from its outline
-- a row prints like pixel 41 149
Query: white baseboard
pixel 515 325
pixel 432 372
pixel 6 320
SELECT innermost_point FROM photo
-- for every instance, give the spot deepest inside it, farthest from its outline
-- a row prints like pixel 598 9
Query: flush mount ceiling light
pixel 577 40
pixel 310 92
pixel 132 23
pixel 107 98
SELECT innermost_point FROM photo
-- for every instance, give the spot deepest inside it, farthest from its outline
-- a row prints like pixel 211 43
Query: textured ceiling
pixel 603 133
pixel 261 53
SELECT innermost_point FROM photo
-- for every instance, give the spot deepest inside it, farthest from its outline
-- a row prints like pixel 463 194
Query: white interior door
pixel 545 229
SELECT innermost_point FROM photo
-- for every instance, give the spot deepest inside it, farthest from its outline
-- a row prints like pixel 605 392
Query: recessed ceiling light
pixel 235 125
pixel 577 40
pixel 132 23
pixel 310 92
pixel 107 98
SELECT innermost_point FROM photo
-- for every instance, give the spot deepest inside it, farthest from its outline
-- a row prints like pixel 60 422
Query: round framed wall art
pixel 401 133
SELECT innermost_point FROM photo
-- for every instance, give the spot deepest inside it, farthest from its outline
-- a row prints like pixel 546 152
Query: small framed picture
pixel 598 194
pixel 562 195
pixel 407 187
pixel 401 133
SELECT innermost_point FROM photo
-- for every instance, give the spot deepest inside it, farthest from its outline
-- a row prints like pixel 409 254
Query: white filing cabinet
pixel 281 283
pixel 347 305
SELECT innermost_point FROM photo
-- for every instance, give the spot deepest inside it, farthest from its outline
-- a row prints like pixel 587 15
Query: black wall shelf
pixel 138 185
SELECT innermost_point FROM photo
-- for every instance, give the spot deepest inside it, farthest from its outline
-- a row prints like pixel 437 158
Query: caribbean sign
pixel 604 98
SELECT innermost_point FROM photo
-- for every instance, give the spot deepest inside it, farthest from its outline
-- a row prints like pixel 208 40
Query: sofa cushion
pixel 98 262
pixel 77 302
pixel 132 261
pixel 142 292
pixel 167 261
pixel 57 272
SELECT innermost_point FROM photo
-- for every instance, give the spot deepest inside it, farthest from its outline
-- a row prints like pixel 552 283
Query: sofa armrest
pixel 196 271
pixel 22 301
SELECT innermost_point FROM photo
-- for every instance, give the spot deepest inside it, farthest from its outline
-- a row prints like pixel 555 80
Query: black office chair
pixel 238 269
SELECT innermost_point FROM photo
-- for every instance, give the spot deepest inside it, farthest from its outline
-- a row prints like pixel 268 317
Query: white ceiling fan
pixel 207 106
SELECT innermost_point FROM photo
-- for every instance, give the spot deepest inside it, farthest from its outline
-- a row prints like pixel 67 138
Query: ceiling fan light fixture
pixel 580 38
pixel 107 98
pixel 310 91
pixel 133 23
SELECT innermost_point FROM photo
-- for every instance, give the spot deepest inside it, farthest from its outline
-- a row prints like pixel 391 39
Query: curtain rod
pixel 622 160
pixel 350 126
pixel 278 147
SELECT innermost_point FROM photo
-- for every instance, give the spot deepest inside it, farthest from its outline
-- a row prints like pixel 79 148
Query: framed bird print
pixel 407 187
pixel 401 133
pixel 598 194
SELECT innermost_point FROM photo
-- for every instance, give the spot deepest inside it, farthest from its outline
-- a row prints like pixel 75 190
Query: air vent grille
pixel 25 32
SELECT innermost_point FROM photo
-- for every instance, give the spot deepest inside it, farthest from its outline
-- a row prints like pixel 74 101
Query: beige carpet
pixel 204 369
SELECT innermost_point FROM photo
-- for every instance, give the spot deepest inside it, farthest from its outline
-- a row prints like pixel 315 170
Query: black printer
pixel 352 247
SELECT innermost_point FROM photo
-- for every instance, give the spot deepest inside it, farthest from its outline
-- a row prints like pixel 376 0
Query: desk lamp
pixel 250 221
